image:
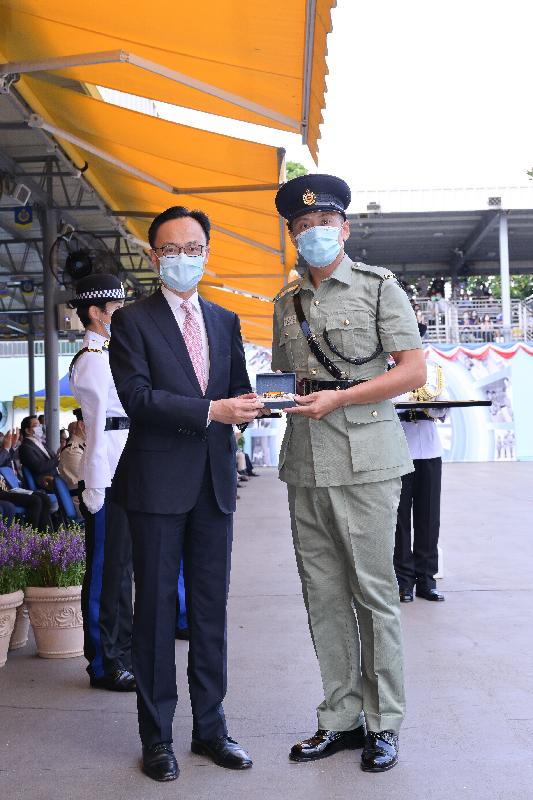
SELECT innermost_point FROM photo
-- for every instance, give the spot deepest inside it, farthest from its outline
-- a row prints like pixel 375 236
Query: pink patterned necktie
pixel 193 340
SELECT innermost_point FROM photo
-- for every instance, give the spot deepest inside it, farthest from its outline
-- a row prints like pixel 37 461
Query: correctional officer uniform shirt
pixel 358 443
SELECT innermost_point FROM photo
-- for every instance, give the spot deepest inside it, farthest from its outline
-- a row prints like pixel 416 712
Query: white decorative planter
pixel 8 612
pixel 19 637
pixel 55 616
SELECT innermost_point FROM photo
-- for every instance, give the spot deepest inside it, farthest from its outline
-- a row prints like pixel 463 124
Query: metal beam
pixel 465 253
pixel 31 372
pixel 505 276
pixel 310 14
pixel 118 56
pixel 51 339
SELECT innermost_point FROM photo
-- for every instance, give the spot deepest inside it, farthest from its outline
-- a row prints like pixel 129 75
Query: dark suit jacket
pixel 32 456
pixel 163 463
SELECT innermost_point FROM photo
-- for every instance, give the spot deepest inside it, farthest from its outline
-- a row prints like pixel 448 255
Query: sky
pixel 421 94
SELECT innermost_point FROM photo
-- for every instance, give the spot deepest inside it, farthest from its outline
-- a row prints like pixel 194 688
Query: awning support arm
pixel 117 56
pixel 35 121
pixel 219 228
pixel 310 14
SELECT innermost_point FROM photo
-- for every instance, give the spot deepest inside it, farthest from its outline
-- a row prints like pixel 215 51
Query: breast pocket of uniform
pixel 376 436
pixel 350 333
pixel 292 343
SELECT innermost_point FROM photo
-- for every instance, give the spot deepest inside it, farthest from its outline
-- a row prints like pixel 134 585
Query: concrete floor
pixel 469 671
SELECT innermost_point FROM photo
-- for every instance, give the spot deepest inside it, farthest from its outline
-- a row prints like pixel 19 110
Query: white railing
pixel 20 349
pixel 473 320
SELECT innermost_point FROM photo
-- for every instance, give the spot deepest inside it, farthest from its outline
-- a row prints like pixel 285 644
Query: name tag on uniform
pixel 290 320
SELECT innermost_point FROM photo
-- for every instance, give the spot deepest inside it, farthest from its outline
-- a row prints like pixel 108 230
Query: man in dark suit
pixel 34 454
pixel 180 372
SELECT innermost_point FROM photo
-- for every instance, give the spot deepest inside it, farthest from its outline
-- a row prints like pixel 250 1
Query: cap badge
pixel 309 197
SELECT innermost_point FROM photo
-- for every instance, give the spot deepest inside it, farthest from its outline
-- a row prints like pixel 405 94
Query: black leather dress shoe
pixel 406 596
pixel 380 752
pixel 326 743
pixel 430 594
pixel 223 751
pixel 119 681
pixel 159 762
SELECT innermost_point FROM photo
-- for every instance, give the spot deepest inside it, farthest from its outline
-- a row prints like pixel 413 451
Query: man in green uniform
pixel 343 456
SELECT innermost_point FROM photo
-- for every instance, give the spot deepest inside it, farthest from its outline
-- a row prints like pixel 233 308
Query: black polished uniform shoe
pixel 159 762
pixel 406 596
pixel 223 751
pixel 430 594
pixel 326 743
pixel 121 680
pixel 380 752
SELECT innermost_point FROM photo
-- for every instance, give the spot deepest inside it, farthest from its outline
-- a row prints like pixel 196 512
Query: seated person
pixel 36 505
pixel 70 458
pixel 34 454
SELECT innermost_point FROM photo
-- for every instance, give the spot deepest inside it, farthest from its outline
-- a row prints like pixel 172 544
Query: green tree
pixel 294 169
pixel 521 285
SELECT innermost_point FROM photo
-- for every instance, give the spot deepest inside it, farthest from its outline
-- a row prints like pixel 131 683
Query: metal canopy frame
pixel 11 70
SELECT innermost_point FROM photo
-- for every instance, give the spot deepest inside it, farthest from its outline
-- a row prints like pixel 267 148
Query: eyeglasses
pixel 171 249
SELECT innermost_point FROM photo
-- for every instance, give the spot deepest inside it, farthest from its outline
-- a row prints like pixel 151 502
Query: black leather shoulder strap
pixel 312 341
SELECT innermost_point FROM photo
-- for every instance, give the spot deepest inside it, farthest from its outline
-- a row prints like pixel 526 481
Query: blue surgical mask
pixel 319 246
pixel 107 326
pixel 181 272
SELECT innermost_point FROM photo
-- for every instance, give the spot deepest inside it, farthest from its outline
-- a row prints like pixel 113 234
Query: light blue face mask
pixel 107 326
pixel 319 245
pixel 181 272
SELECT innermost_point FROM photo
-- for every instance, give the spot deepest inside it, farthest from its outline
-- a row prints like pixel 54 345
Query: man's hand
pixel 93 499
pixel 317 404
pixel 235 410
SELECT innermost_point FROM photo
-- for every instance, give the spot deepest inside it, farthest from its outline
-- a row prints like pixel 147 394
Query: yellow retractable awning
pixel 262 61
pixel 248 252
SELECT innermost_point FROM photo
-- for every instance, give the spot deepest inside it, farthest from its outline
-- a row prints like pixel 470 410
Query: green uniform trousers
pixel 344 541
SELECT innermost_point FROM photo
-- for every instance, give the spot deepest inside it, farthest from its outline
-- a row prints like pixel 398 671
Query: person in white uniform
pixel 416 554
pixel 107 586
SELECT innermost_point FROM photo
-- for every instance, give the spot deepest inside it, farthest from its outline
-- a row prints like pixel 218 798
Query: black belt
pixel 414 416
pixel 307 386
pixel 117 424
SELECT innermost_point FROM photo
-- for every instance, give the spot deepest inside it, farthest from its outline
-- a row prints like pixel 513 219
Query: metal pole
pixel 31 372
pixel 51 339
pixel 505 278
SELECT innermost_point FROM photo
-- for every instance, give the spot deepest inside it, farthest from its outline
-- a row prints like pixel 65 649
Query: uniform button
pixel 374 413
pixel 317 302
pixel 314 371
pixel 346 321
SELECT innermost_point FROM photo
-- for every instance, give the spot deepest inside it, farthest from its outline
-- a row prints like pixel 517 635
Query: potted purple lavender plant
pixel 56 564
pixel 13 551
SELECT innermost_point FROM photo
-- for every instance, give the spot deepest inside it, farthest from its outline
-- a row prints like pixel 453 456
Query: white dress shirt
pixel 93 386
pixel 175 302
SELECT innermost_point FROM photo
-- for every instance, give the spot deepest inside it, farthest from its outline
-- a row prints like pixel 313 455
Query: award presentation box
pixel 276 390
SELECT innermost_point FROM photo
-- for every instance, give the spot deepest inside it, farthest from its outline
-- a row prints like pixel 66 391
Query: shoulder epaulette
pixel 291 287
pixel 380 272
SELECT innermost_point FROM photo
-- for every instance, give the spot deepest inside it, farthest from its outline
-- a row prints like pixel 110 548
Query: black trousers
pixel 36 507
pixel 203 536
pixel 106 595
pixel 420 497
